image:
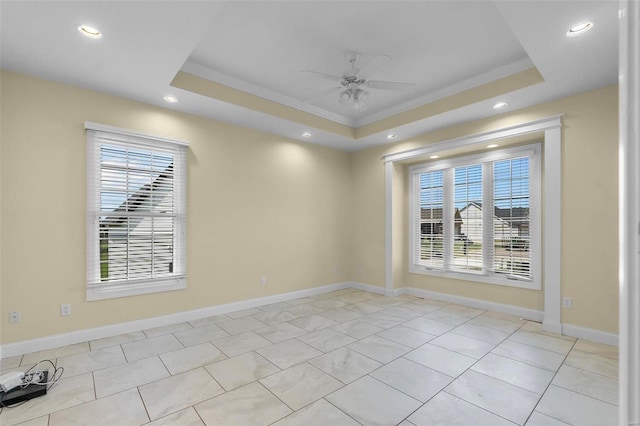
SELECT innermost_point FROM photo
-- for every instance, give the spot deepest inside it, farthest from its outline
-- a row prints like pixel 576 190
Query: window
pixel 478 217
pixel 431 219
pixel 136 213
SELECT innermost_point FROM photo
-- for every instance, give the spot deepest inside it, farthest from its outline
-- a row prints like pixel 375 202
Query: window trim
pixel 95 289
pixel 550 128
pixel 533 151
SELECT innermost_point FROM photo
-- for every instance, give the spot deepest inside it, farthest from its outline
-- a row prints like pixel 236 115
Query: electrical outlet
pixel 263 280
pixel 14 317
pixel 567 302
pixel 65 309
pixel 360 270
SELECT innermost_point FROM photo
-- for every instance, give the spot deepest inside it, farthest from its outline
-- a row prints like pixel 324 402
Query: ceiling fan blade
pixel 323 94
pixel 323 75
pixel 373 65
pixel 388 85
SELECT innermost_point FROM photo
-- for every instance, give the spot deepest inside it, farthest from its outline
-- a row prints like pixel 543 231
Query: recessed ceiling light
pixel 433 157
pixel 500 105
pixel 579 29
pixel 171 99
pixel 493 145
pixel 306 135
pixel 392 136
pixel 89 31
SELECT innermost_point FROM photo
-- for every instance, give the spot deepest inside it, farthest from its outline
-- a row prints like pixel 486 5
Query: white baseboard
pixel 368 287
pixel 590 334
pixel 529 314
pixel 552 326
pixel 50 342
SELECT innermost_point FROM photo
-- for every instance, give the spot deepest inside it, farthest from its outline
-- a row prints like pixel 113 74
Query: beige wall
pixel 262 205
pixel 589 211
pixel 258 205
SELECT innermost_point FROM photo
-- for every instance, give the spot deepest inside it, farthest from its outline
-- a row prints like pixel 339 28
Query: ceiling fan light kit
pixel 354 96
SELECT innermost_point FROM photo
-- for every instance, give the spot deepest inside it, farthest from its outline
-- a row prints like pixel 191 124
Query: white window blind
pixel 512 200
pixel 467 219
pixel 430 214
pixel 478 217
pixel 136 222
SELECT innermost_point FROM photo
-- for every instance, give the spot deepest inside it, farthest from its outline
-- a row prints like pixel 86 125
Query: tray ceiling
pixel 241 62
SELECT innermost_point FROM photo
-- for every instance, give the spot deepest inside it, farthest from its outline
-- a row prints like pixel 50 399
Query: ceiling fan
pixel 353 84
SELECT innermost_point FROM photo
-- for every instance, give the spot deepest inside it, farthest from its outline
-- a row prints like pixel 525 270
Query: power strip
pixel 11 380
pixel 21 394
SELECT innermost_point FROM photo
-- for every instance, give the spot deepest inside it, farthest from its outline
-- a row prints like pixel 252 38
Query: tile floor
pixel 343 358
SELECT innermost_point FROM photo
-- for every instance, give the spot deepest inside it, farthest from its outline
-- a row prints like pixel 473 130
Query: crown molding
pixel 254 89
pixel 487 77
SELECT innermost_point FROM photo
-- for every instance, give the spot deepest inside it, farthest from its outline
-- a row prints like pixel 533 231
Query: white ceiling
pixel 261 47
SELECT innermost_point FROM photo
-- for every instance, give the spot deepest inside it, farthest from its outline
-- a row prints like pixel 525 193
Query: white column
pixel 388 228
pixel 629 214
pixel 552 229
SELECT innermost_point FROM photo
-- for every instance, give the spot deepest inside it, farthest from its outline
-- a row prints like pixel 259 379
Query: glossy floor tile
pixel 313 322
pixel 11 362
pixel 116 340
pixel 101 411
pixel 241 343
pixel 289 353
pixel 249 405
pixel 274 316
pixel 194 336
pixel 343 358
pixel 167 329
pixel 517 373
pixel 345 365
pixel 280 332
pixel 415 380
pixel 91 361
pixel 241 370
pixel 32 358
pixel 192 357
pixel 446 409
pixel 326 340
pixel 593 362
pixel 379 348
pixel 501 398
pixel 301 385
pixel 468 346
pixel 357 329
pixel 128 376
pixel 320 413
pixel 68 392
pixel 186 417
pixel 530 355
pixel 576 409
pixel 406 336
pixel 340 315
pixel 178 392
pixel 587 383
pixel 149 347
pixel 440 359
pixel 241 325
pixel 371 402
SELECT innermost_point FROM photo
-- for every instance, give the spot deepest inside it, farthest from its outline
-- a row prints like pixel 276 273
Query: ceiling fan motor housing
pixel 352 80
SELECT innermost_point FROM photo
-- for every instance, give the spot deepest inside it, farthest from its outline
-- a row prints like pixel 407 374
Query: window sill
pixel 133 288
pixel 480 278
